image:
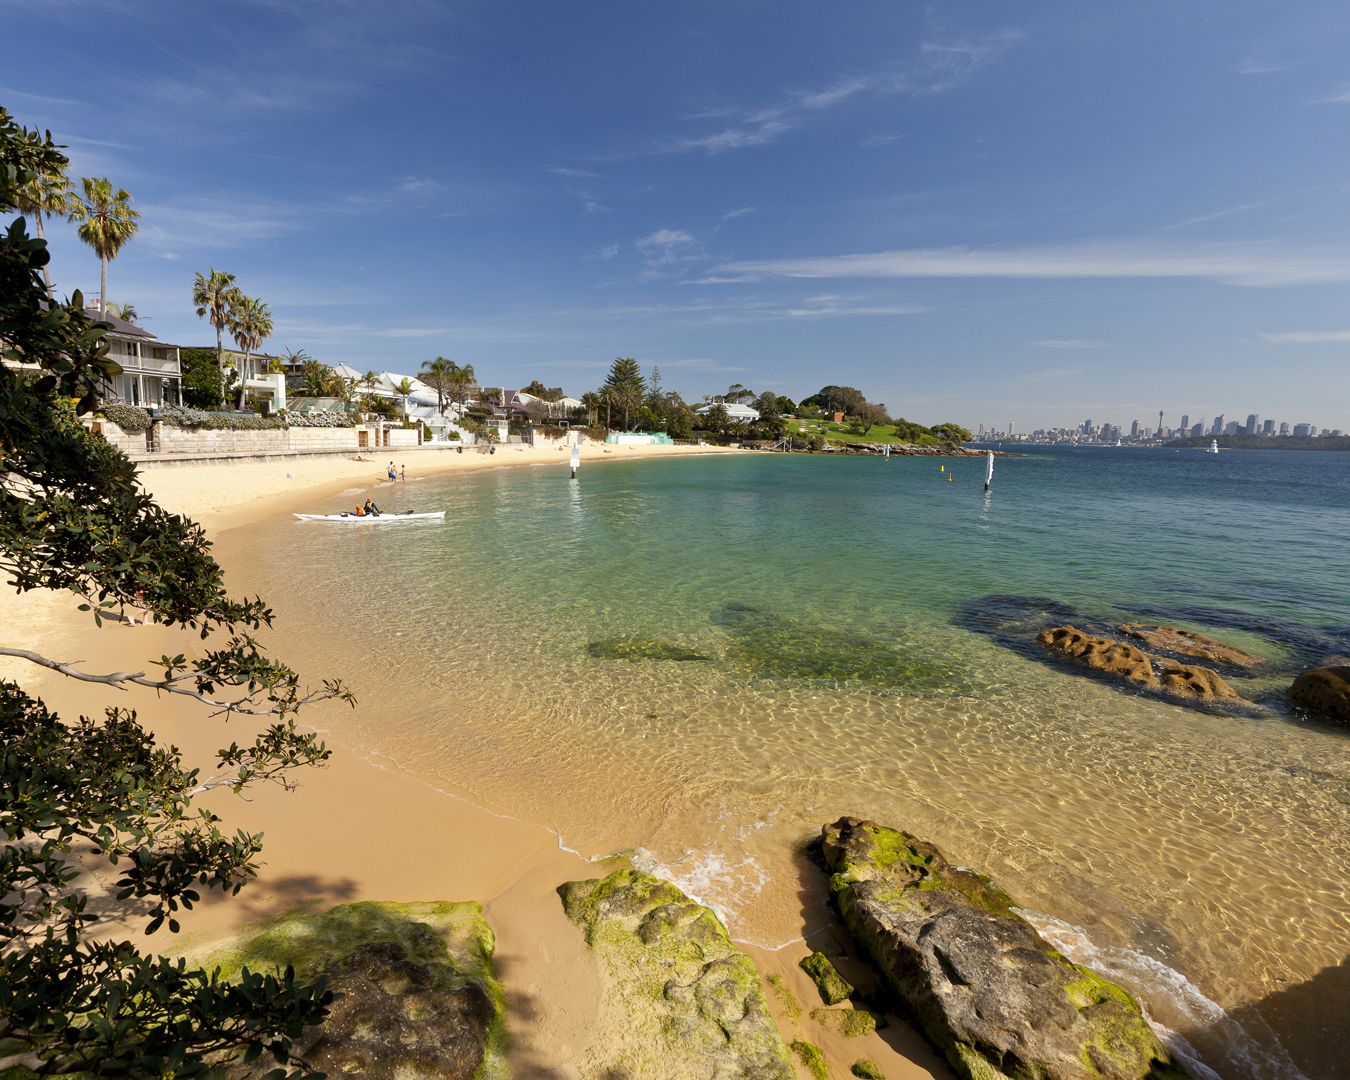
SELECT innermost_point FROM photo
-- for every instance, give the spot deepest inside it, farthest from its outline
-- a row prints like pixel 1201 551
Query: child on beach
pixel 403 473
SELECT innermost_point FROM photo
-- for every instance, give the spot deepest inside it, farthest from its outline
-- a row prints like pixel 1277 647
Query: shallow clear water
pixel 708 658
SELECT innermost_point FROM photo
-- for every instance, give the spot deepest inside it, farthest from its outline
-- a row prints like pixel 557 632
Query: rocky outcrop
pixel 420 996
pixel 1122 661
pixel 1113 658
pixel 979 981
pixel 1194 683
pixel 1324 690
pixel 1168 639
pixel 692 1004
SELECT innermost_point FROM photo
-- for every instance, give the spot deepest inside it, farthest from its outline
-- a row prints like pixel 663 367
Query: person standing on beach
pixel 392 475
pixel 403 473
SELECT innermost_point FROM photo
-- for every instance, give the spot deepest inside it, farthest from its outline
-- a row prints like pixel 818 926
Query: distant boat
pixel 1117 442
pixel 1213 447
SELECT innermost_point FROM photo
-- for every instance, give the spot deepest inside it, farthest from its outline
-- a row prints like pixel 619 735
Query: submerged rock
pixel 767 644
pixel 985 988
pixel 1324 690
pixel 636 649
pixel 1113 658
pixel 833 987
pixel 421 998
pixel 1168 639
pixel 692 1004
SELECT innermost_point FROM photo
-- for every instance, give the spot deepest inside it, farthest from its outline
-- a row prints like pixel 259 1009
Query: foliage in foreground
pixel 73 518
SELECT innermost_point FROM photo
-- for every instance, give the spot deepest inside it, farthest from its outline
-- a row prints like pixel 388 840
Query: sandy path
pixel 356 831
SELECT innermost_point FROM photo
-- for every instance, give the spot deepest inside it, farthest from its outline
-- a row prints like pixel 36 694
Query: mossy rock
pixel 635 649
pixel 810 1056
pixel 420 993
pixel 865 1070
pixel 692 1005
pixel 983 986
pixel 833 987
pixel 849 1023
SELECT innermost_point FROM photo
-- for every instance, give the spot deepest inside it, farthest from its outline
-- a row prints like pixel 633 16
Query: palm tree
pixel 109 222
pixel 215 297
pixel 403 388
pixel 439 374
pixel 460 380
pixel 125 312
pixel 49 193
pixel 591 402
pixel 250 325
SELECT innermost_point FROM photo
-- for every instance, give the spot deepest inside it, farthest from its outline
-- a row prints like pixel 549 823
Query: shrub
pixel 320 419
pixel 127 417
pixel 201 378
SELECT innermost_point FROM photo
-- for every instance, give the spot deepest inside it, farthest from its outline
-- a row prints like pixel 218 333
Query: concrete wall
pixel 172 440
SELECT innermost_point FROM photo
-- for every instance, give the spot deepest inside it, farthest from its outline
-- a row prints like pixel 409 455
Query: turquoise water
pixel 705 659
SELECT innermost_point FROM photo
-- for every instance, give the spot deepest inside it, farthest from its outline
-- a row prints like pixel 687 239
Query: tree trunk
pixel 103 289
pixel 46 277
pixel 243 378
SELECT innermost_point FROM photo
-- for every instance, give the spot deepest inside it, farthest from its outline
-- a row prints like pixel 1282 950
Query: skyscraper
pixel 1268 428
pixel 1218 425
pixel 1185 421
pixel 1134 430
pixel 1252 421
pixel 1284 429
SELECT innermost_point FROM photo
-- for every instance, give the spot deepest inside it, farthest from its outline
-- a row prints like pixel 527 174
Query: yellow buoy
pixel 949 478
pixel 942 468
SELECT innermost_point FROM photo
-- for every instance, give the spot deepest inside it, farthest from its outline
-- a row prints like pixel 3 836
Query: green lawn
pixel 840 433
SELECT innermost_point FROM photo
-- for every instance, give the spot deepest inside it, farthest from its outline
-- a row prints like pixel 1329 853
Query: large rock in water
pixel 1168 639
pixel 1114 658
pixel 421 999
pixel 1120 660
pixel 692 1006
pixel 1324 690
pixel 985 988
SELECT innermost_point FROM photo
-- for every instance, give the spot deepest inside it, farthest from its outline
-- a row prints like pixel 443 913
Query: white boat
pixel 407 516
pixel 1213 447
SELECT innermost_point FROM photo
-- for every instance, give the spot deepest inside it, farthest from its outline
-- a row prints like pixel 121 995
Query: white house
pixel 151 376
pixel 734 411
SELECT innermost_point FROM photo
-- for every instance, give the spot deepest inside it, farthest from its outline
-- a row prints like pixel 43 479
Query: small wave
pixel 1142 975
pixel 707 877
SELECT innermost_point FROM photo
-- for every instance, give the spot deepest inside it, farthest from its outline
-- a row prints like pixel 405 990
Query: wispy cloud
pixel 1216 215
pixel 606 252
pixel 939 67
pixel 1260 264
pixel 738 213
pixel 1343 96
pixel 575 173
pixel 8 93
pixel 880 140
pixel 1051 374
pixel 1309 336
pixel 1069 343
pixel 668 251
pixel 214 223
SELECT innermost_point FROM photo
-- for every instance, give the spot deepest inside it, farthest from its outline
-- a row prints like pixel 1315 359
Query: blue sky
pixel 980 212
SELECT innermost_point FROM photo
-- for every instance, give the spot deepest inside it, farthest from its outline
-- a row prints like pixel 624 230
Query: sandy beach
pixel 357 831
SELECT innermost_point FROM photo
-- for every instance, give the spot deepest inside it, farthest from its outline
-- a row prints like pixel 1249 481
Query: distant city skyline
pixel 971 212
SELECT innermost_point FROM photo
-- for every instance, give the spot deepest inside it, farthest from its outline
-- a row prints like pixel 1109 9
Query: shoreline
pixel 361 830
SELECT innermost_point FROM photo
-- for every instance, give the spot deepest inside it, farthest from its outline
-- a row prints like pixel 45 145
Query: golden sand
pixel 356 831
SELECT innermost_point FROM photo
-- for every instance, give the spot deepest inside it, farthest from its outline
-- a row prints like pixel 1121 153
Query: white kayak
pixel 369 517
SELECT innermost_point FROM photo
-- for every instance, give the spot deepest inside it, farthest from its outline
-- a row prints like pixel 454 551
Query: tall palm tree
pixel 109 222
pixel 403 389
pixel 49 193
pixel 439 375
pixel 591 402
pixel 215 297
pixel 250 325
pixel 126 312
pixel 461 378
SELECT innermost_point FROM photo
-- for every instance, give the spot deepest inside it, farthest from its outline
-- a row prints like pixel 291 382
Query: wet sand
pixel 357 831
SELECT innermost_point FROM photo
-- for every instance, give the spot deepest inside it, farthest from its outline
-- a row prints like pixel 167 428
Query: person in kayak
pixel 358 512
pixel 371 508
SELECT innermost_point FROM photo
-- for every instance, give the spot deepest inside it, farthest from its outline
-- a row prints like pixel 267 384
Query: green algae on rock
pixel 812 1058
pixel 833 987
pixel 983 986
pixel 787 1000
pixel 849 1023
pixel 421 997
pixel 767 644
pixel 692 1004
pixel 865 1070
pixel 635 649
